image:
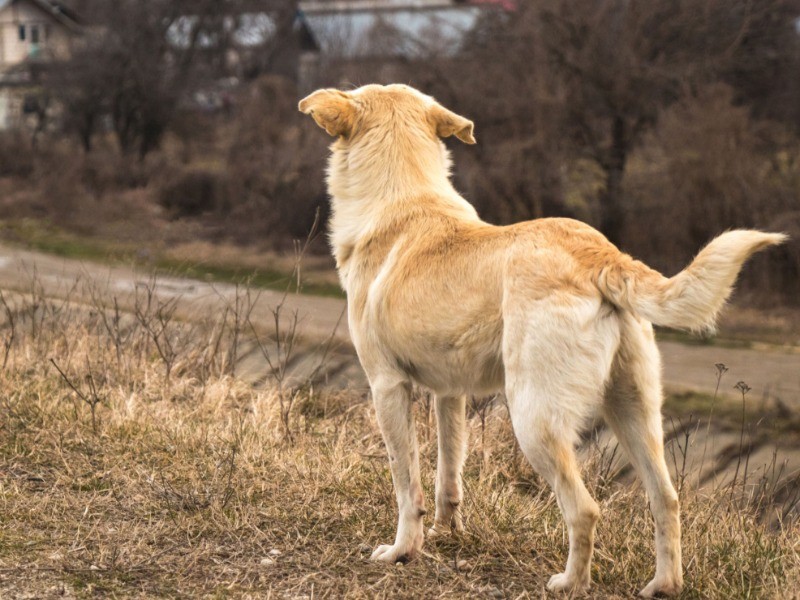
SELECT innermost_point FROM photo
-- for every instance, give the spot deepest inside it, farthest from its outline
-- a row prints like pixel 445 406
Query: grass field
pixel 134 465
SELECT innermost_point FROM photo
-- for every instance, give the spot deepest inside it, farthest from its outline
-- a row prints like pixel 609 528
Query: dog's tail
pixel 693 298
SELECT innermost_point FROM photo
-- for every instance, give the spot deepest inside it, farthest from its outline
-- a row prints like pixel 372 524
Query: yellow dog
pixel 547 311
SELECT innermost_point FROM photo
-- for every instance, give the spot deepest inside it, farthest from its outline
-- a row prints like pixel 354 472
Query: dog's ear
pixel 333 110
pixel 448 123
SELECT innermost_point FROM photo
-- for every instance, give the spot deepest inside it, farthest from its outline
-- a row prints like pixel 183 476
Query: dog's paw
pixel 563 583
pixel 456 523
pixel 437 531
pixel 440 530
pixel 393 554
pixel 662 587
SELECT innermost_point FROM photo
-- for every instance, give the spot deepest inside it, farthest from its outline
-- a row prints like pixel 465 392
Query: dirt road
pixel 770 372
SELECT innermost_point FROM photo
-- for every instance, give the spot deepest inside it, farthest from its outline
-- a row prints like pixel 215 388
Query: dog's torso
pixel 428 289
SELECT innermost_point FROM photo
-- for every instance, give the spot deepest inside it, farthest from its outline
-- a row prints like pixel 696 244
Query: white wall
pixel 5 116
pixel 54 38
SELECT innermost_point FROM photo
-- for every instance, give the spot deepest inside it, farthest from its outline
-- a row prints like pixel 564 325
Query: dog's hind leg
pixel 557 355
pixel 632 409
pixel 392 397
pixel 547 442
pixel 451 429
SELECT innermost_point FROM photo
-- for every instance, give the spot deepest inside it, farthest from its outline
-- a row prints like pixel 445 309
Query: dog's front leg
pixel 396 420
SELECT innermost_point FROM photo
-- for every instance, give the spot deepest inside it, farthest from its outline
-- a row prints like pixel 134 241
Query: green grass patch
pixel 48 238
pixel 258 278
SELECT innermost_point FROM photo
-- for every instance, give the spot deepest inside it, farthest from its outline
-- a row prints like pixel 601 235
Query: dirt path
pixel 770 372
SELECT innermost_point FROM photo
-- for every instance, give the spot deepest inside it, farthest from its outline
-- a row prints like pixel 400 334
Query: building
pixel 307 40
pixel 32 32
pixel 411 29
pixel 376 40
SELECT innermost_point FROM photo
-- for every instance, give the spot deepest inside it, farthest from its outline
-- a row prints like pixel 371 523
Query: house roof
pixel 56 9
pixel 246 30
pixel 354 29
pixel 408 33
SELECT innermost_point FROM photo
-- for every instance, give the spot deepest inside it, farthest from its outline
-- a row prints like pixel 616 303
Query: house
pixel 374 40
pixel 325 41
pixel 409 32
pixel 32 32
pixel 415 29
pixel 34 29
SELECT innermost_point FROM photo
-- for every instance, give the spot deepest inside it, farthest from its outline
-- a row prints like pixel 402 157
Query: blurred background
pixel 169 128
pixel 154 139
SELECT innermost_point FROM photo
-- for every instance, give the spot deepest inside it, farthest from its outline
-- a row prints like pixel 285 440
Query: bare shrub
pixel 707 167
pixel 194 192
pixel 16 155
pixel 783 268
pixel 108 173
pixel 274 166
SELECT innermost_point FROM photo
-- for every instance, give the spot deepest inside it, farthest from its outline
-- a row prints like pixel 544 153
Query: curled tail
pixel 692 298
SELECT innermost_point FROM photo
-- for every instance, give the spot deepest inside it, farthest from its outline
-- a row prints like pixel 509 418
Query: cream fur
pixel 547 311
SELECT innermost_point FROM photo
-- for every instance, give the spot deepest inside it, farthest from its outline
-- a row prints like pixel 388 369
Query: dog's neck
pixel 373 184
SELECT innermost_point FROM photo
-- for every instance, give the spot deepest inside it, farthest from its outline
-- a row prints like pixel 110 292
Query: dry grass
pixel 184 485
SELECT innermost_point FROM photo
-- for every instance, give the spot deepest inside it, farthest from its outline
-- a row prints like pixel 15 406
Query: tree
pixel 622 61
pixel 276 53
pixel 136 63
pixel 764 63
pixel 79 84
pixel 501 80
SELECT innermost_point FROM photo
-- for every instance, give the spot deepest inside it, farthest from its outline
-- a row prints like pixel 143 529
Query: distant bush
pixel 16 155
pixel 194 192
pixel 104 172
pixel 274 164
pixel 706 167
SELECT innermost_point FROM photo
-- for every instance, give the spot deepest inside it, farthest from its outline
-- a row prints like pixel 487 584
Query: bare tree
pixel 79 84
pixel 621 62
pixel 561 86
pixel 136 62
pixel 501 80
pixel 278 52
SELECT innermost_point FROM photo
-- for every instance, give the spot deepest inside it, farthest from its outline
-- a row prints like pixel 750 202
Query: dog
pixel 547 311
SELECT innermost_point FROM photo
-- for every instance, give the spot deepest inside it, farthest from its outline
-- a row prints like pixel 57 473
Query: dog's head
pixel 350 115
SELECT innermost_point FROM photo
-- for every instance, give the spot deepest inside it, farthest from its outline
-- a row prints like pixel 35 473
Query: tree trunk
pixel 613 215
pixel 85 132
